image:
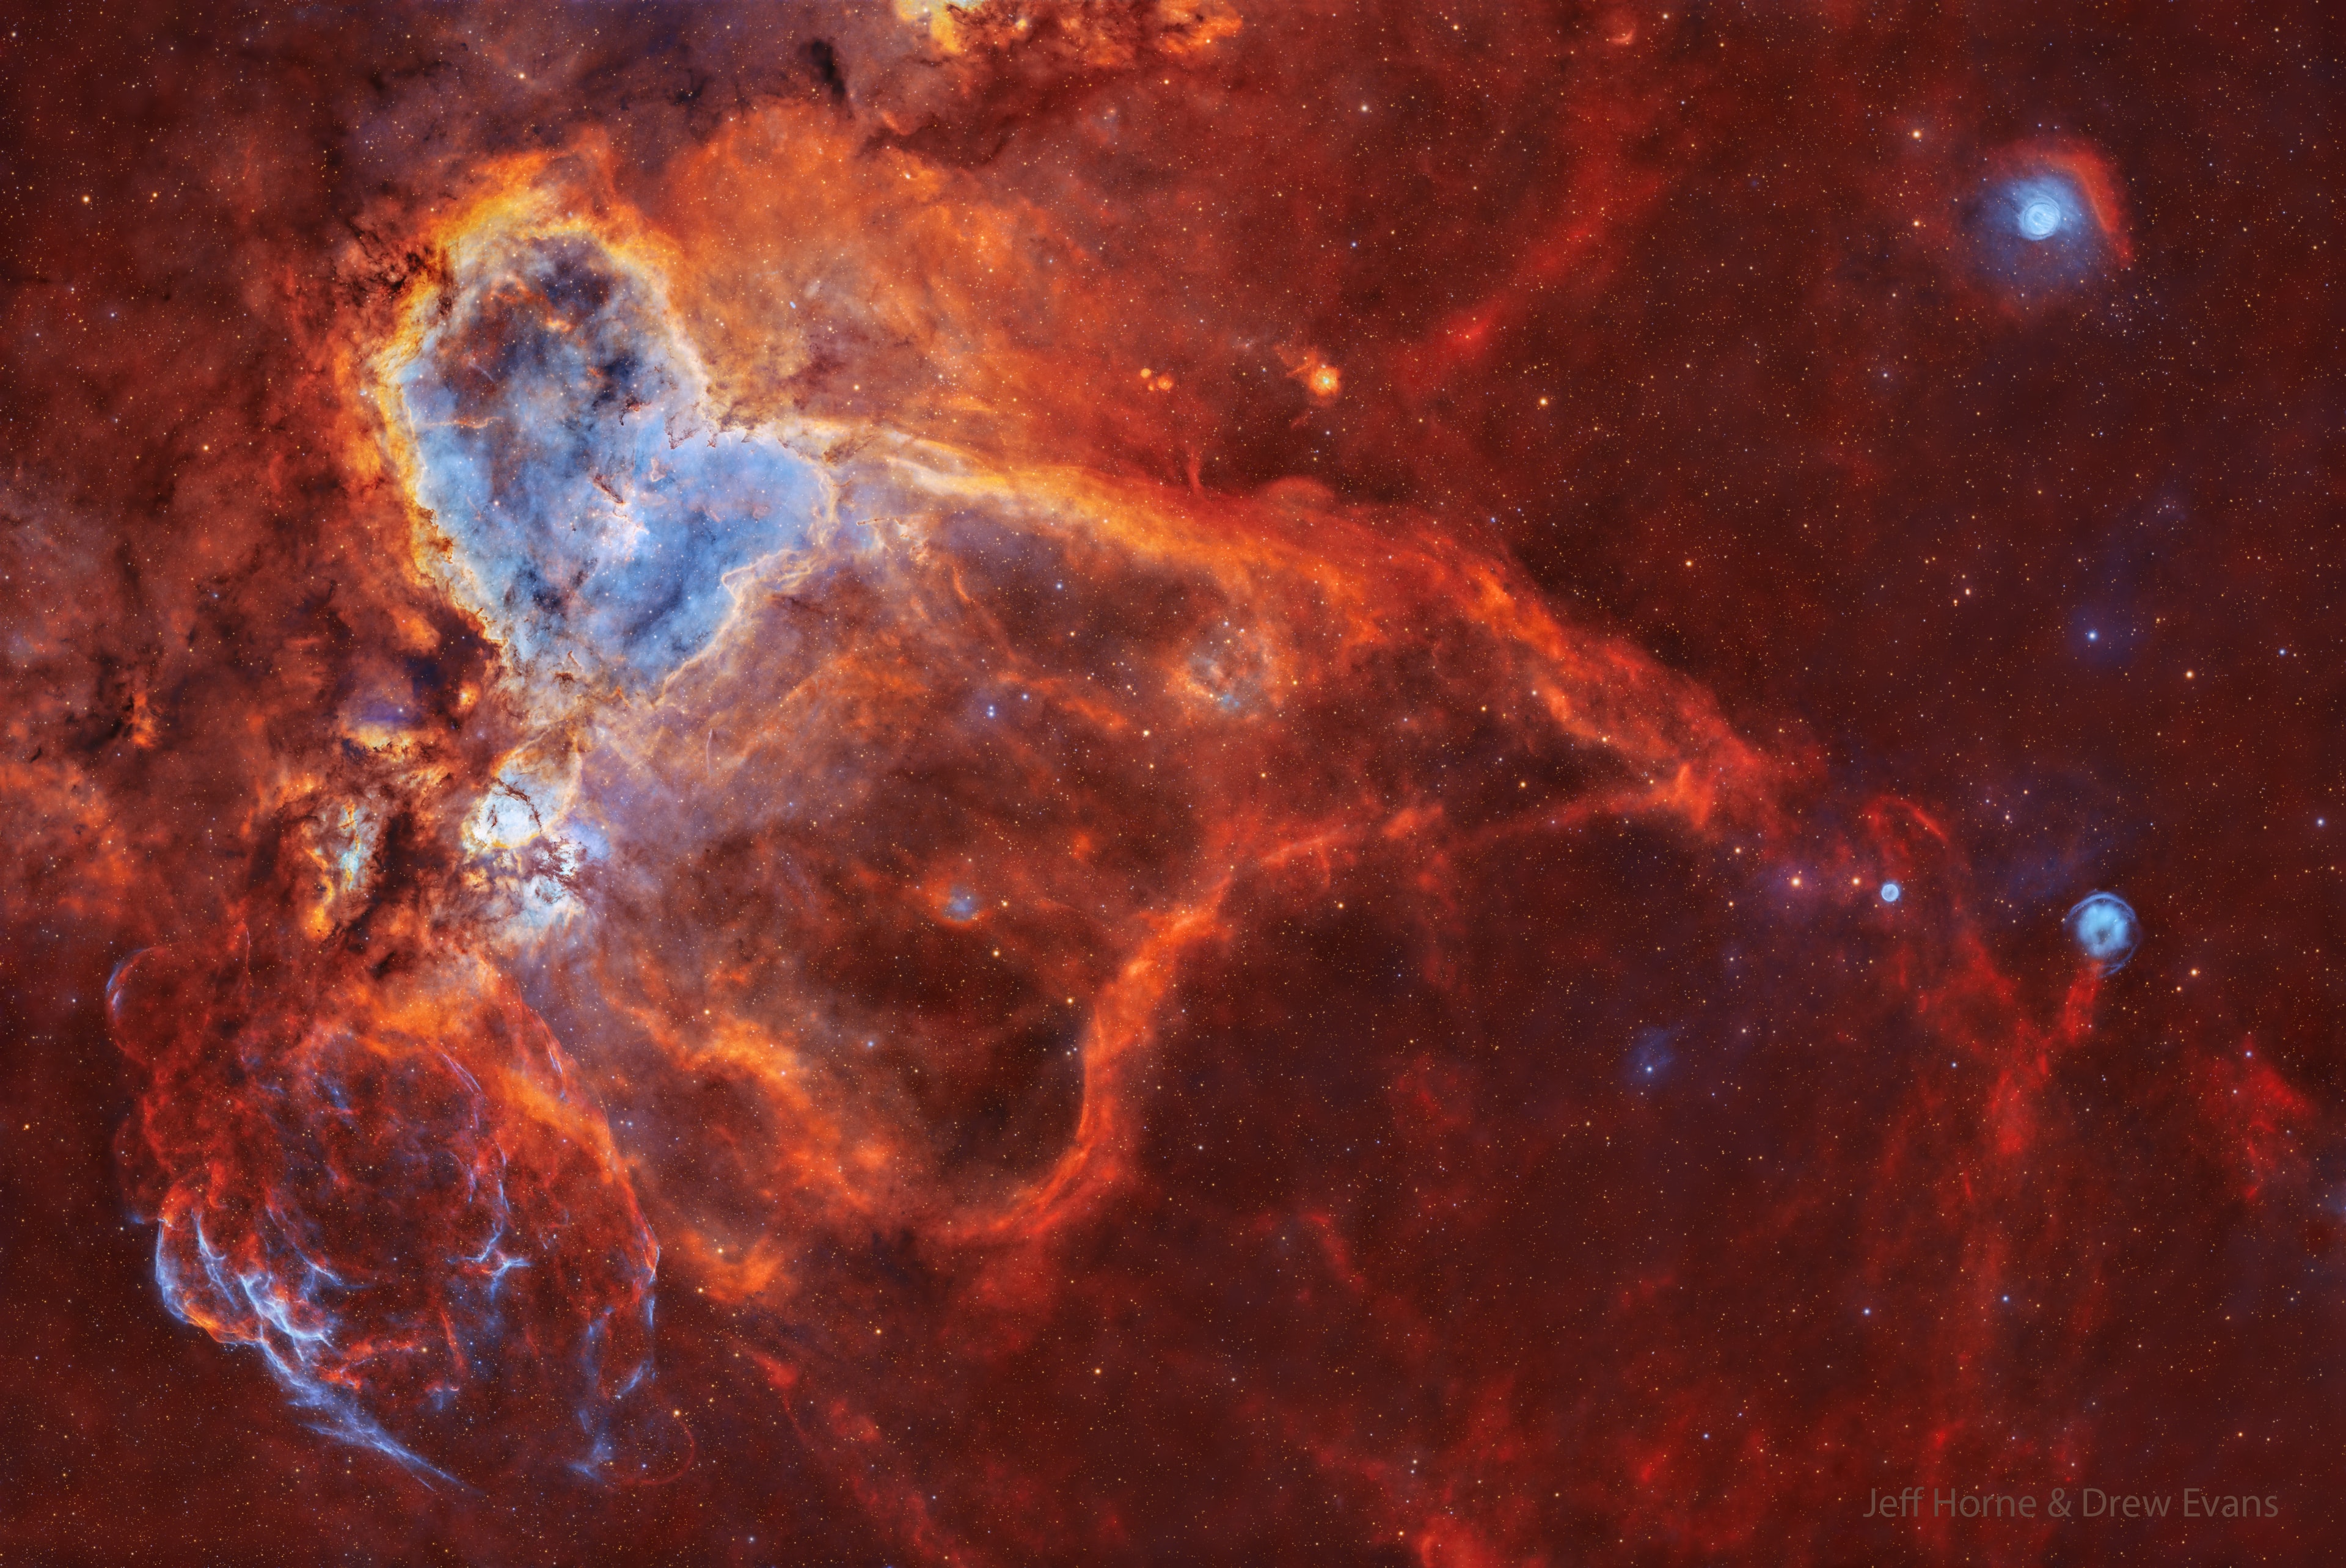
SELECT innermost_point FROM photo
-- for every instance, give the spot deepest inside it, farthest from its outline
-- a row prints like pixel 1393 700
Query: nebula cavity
pixel 580 504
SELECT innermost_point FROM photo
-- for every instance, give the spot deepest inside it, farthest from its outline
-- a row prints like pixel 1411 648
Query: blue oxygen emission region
pixel 296 1334
pixel 2035 232
pixel 1651 1057
pixel 388 1281
pixel 2044 207
pixel 2105 930
pixel 558 446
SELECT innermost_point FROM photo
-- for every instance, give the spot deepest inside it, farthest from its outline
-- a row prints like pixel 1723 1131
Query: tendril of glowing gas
pixel 829 690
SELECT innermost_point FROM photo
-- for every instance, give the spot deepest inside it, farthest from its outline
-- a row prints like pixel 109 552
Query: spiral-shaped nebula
pixel 1148 781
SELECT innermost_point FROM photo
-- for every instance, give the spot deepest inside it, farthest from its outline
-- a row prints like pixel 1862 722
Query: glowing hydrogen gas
pixel 2105 930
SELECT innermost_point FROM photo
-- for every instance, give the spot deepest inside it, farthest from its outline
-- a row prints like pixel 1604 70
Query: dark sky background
pixel 1390 584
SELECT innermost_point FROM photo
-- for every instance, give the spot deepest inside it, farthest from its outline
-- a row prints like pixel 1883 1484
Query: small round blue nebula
pixel 962 906
pixel 1892 892
pixel 2044 206
pixel 2105 929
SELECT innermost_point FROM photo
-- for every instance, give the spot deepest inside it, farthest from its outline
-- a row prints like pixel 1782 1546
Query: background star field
pixel 1169 781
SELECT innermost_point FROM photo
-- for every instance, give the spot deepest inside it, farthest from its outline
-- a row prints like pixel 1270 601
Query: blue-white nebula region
pixel 594 518
pixel 2042 209
pixel 283 1310
pixel 1651 1057
pixel 2105 930
pixel 1892 892
pixel 2034 234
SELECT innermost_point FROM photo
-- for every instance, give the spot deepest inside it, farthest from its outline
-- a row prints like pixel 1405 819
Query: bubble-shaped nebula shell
pixel 2105 930
pixel 391 1192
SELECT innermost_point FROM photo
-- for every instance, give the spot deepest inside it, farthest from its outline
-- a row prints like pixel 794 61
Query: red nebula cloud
pixel 1115 781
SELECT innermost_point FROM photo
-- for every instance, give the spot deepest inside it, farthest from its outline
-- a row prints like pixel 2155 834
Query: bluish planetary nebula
pixel 2040 229
pixel 2105 929
pixel 1892 892
pixel 2043 207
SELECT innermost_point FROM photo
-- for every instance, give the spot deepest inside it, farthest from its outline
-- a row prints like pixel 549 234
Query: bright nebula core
pixel 2105 930
pixel 550 414
pixel 1074 782
pixel 2040 214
